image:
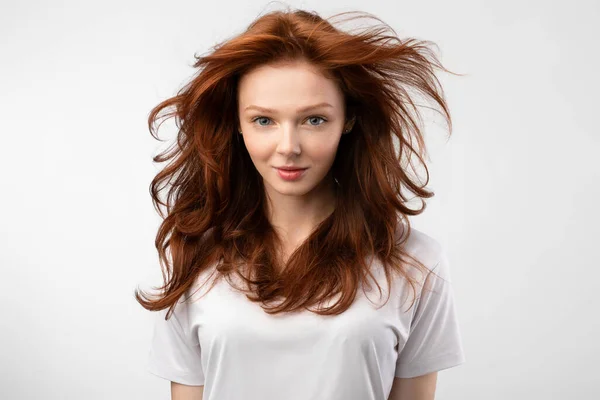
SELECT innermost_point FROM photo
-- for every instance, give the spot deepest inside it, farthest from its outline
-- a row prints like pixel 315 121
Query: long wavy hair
pixel 215 207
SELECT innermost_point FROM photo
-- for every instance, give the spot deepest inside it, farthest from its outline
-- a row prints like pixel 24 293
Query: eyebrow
pixel 303 109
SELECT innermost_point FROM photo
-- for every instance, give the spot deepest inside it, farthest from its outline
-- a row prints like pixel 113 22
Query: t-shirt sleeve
pixel 434 341
pixel 175 352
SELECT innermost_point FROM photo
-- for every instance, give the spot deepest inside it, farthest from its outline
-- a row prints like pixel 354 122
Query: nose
pixel 288 141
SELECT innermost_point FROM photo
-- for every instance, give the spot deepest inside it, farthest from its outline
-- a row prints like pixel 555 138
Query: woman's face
pixel 279 130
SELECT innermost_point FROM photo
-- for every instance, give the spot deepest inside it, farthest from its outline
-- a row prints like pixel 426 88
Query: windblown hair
pixel 216 205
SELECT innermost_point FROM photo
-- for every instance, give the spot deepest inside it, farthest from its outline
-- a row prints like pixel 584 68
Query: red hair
pixel 215 205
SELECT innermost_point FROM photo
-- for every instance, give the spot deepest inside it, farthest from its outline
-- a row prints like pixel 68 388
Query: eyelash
pixel 312 116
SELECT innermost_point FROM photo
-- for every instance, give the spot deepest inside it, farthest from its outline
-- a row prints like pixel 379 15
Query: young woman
pixel 286 220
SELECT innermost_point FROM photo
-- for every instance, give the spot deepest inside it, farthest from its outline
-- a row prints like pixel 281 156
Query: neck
pixel 295 217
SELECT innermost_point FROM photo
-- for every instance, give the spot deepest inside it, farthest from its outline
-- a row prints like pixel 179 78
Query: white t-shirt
pixel 229 344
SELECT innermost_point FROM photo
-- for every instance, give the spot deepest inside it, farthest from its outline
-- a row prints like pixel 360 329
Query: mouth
pixel 290 174
pixel 290 168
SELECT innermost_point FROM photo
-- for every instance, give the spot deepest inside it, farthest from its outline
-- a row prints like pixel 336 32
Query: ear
pixel 350 124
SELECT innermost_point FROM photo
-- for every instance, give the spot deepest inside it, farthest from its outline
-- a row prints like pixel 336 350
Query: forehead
pixel 295 83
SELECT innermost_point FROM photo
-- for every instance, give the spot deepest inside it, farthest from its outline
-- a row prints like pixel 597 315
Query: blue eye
pixel 324 120
pixel 257 118
pixel 312 117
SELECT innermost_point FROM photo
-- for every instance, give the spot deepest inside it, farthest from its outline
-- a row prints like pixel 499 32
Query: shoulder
pixel 420 245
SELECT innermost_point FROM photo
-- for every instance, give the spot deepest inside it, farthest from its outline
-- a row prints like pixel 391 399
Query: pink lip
pixel 290 175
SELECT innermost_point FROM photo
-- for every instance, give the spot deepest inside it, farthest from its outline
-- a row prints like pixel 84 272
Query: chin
pixel 289 188
pixel 295 190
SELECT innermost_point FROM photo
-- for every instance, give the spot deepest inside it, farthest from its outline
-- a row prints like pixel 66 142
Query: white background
pixel 516 205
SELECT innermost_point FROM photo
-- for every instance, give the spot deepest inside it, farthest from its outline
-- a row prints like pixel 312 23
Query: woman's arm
pixel 417 388
pixel 185 392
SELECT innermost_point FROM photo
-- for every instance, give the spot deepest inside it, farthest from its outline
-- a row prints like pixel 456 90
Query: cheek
pixel 259 150
pixel 318 149
pixel 324 152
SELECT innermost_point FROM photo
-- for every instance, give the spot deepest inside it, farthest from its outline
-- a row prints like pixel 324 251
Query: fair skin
pixel 279 130
pixel 417 388
pixel 186 392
